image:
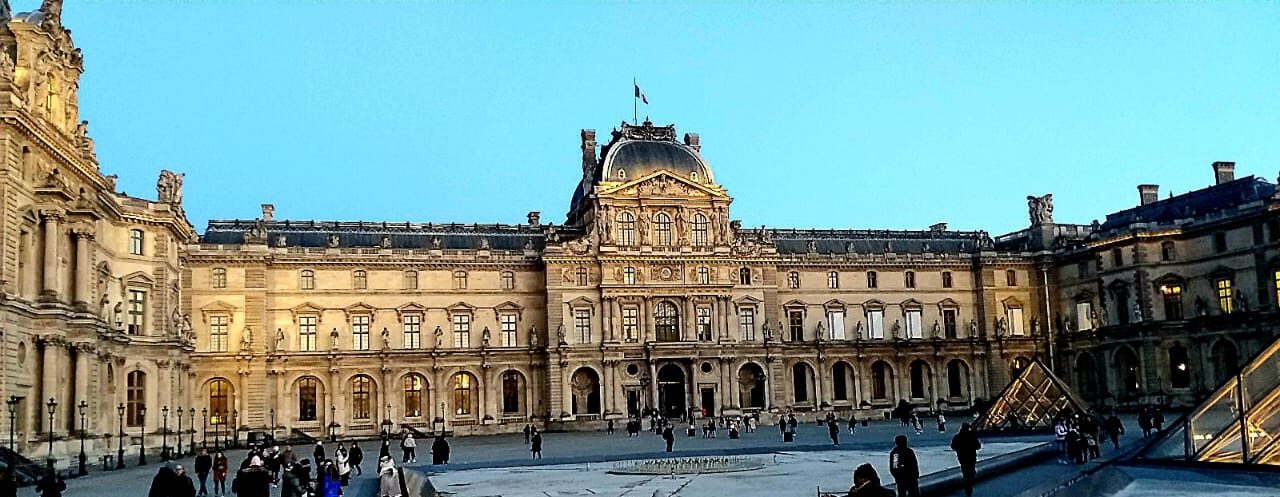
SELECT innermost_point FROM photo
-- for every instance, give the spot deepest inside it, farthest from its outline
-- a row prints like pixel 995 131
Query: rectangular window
pixel 1011 277
pixel 135 242
pixel 1219 242
pixel 704 276
pixel 630 324
pixel 946 279
pixel 795 325
pixel 1082 270
pixel 913 324
pixel 219 278
pixel 218 333
pixel 909 279
pixel 833 280
pixel 1015 322
pixel 461 331
pixel 1172 294
pixel 1117 258
pixel 412 331
pixel 1084 316
pixel 508 326
pixel 629 276
pixel 137 311
pixel 410 280
pixel 747 323
pixel 704 323
pixel 875 324
pixel 508 280
pixel 949 323
pixel 360 332
pixel 871 279
pixel 835 324
pixel 307 333
pixel 1225 302
pixel 1276 284
pixel 582 325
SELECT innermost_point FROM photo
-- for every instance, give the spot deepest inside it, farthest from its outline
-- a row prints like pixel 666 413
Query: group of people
pixel 1149 419
pixel 1079 435
pixel 533 438
pixel 904 467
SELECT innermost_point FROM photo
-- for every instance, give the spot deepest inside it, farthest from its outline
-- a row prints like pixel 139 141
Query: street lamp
pixel 386 422
pixel 12 403
pixel 180 454
pixel 204 426
pixel 193 430
pixel 333 423
pixel 120 452
pixel 164 433
pixel 83 405
pixel 273 425
pixel 53 407
pixel 235 428
pixel 142 435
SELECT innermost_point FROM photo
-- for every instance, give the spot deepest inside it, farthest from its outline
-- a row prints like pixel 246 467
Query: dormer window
pixel 622 174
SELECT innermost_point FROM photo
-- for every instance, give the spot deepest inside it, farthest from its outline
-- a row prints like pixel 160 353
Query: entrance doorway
pixel 633 403
pixel 671 383
pixel 709 400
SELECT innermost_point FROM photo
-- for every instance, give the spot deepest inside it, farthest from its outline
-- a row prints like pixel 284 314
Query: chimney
pixel 268 212
pixel 1224 172
pixel 588 150
pixel 534 218
pixel 938 228
pixel 1148 194
pixel 693 141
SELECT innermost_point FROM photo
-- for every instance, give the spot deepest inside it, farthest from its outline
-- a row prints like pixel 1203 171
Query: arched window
pixel 744 276
pixel 459 280
pixel 919 379
pixel 1171 292
pixel 219 278
pixel 833 279
pixel 1224 361
pixel 1179 367
pixel 881 375
pixel 871 279
pixel 1168 252
pixel 699 230
pixel 462 394
pixel 800 382
pixel 136 397
pixel 359 279
pixel 413 395
pixel 842 382
pixel 1127 368
pixel 411 280
pixel 307 280
pixel 219 400
pixel 666 320
pixel 793 279
pixel 626 229
pixel 361 386
pixel 308 392
pixel 662 229
pixel 957 378
pixel 585 386
pixel 1087 376
pixel 512 384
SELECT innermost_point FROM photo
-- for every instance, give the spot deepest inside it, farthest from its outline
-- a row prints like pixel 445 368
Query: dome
pixel 639 158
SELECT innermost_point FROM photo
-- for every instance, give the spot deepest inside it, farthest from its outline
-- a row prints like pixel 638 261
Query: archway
pixel 1087 376
pixel 802 387
pixel 586 391
pixel 751 381
pixel 1225 361
pixel 842 382
pixel 1127 371
pixel 882 381
pixel 957 379
pixel 671 390
pixel 921 380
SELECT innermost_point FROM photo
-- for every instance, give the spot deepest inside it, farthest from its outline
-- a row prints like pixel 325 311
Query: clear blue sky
pixel 829 115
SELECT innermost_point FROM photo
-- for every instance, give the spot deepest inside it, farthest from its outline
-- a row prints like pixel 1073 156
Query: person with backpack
pixel 905 468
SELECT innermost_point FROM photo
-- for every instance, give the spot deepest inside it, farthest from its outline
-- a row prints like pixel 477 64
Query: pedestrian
pixel 691 431
pixel 942 422
pixel 791 423
pixel 318 454
pixel 290 486
pixel 905 468
pixel 527 430
pixel 51 485
pixel 409 447
pixel 439 451
pixel 163 483
pixel 535 444
pixel 343 459
pixel 853 423
pixel 1144 422
pixel 302 472
pixel 204 463
pixel 916 423
pixel 220 465
pixel 668 437
pixel 253 481
pixel 1158 420
pixel 1060 438
pixel 390 479
pixel 1114 429
pixel 183 486
pixel 967 445
pixel 8 485
pixel 1075 445
pixel 833 430
pixel 609 427
pixel 329 486
pixel 782 427
pixel 356 457
pixel 866 483
pixel 385 449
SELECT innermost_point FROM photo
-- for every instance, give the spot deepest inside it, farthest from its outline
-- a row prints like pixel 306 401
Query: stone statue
pixel 484 337
pixel 169 187
pixel 858 330
pixel 246 339
pixel 256 234
pixel 439 333
pixel 176 321
pixel 1067 326
pixel 1137 313
pixel 1101 318
pixel 896 329
pixel 937 330
pixel 386 338
pixel 281 241
pixel 385 242
pixel 1035 326
pixel 812 247
pixel 333 240
pixel 1242 302
pixel 560 334
pixel 533 336
pixel 279 340
pixel 1001 326
pixel 1202 307
pixel 820 332
pixel 681 224
pixel 103 303
pixel 642 224
pixel 973 328
pixel 484 243
pixel 1040 209
pixel 436 242
pixel 333 339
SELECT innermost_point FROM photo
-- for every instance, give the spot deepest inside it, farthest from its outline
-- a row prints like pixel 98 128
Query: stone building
pixel 89 314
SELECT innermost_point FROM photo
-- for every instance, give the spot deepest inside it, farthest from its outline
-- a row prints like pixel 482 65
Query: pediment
pixel 747 300
pixel 873 304
pixel 359 308
pixel 911 304
pixel 138 278
pixel 834 304
pixel 218 307
pixel 1011 303
pixel 948 303
pixel 793 304
pixel 581 302
pixel 410 308
pixel 460 308
pixel 509 307
pixel 661 184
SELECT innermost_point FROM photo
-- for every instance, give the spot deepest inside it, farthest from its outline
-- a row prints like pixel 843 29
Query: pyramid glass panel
pixel 1031 401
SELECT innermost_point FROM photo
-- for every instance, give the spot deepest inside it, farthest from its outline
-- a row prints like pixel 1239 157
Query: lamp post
pixel 193 430
pixel 142 435
pixel 164 433
pixel 273 425
pixel 180 454
pixel 53 407
pixel 12 403
pixel 217 432
pixel 333 423
pixel 83 458
pixel 235 428
pixel 204 426
pixel 386 422
pixel 120 452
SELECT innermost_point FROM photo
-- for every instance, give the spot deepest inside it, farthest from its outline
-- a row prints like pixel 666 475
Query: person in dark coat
pixel 182 484
pixel 385 449
pixel 967 445
pixel 318 454
pixel 302 472
pixel 782 427
pixel 8 485
pixel 528 431
pixel 163 483
pixel 253 481
pixel 535 445
pixel 866 483
pixel 833 429
pixel 220 468
pixel 1157 420
pixel 791 423
pixel 51 485
pixel 905 468
pixel 204 464
pixel 1114 429
pixel 355 458
pixel 609 427
pixel 440 450
pixel 669 438
pixel 1144 422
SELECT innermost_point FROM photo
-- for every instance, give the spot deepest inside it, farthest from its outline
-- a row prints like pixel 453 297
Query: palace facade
pixel 648 295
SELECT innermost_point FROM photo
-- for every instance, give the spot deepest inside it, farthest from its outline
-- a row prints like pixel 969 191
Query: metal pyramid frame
pixel 1212 432
pixel 1031 401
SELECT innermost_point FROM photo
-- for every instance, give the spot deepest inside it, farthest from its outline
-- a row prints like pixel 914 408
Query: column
pixel 81 391
pixel 387 391
pixel 83 269
pixel 647 325
pixel 606 388
pixel 819 385
pixel 616 309
pixel 51 232
pixel 49 383
pixel 734 387
pixel 689 326
pixel 653 384
pixel 487 403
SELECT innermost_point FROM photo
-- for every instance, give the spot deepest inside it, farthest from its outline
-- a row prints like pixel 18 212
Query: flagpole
pixel 635 105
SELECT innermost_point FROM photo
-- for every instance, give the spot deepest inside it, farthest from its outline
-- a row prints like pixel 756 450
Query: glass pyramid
pixel 1032 401
pixel 1238 423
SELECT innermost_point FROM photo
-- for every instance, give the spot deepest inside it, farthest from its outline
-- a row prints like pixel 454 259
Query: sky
pixel 817 114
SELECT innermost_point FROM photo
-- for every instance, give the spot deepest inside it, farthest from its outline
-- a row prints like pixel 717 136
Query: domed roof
pixel 639 158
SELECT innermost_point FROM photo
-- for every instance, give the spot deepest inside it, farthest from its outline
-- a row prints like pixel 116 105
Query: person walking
pixel 535 444
pixel 942 422
pixel 51 485
pixel 609 427
pixel 204 464
pixel 329 486
pixel 1060 438
pixel 967 445
pixel 668 437
pixel 866 483
pixel 782 427
pixel 791 423
pixel 833 430
pixel 220 465
pixel 440 450
pixel 302 472
pixel 253 481
pixel 384 450
pixel 853 423
pixel 163 483
pixel 1157 420
pixel 290 486
pixel 905 468
pixel 182 484
pixel 528 429
pixel 356 457
pixel 1114 429
pixel 1144 422
pixel 318 454
pixel 409 447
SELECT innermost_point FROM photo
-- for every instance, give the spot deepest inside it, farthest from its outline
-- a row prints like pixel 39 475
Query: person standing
pixel 782 427
pixel 385 449
pixel 528 429
pixel 942 422
pixel 253 481
pixel 668 437
pixel 204 463
pixel 357 457
pixel 51 485
pixel 791 423
pixel 410 448
pixel 609 427
pixel 329 485
pixel 853 423
pixel 1114 429
pixel 220 464
pixel 866 483
pixel 318 454
pixel 1157 420
pixel 535 444
pixel 344 465
pixel 1144 422
pixel 182 484
pixel 905 468
pixel 440 450
pixel 833 430
pixel 162 484
pixel 967 445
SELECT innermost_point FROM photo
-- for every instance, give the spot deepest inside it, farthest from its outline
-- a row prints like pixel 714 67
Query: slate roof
pixel 1216 198
pixel 369 234
pixel 793 241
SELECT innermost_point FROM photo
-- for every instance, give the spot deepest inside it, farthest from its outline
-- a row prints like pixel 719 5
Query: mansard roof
pixel 797 241
pixel 448 236
pixel 1222 198
pixel 638 151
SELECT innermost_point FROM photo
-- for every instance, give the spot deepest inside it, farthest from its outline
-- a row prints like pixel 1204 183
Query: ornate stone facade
pixel 89 276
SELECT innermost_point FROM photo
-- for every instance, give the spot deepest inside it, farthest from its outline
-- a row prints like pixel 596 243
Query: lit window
pixel 307 333
pixel 629 276
pixel 412 331
pixel 307 280
pixel 703 321
pixel 461 331
pixel 219 278
pixel 219 401
pixel 137 311
pixel 308 389
pixel 413 395
pixel 462 394
pixel 218 333
pixel 793 280
pixel 1084 315
pixel 508 328
pixel 747 323
pixel 1172 294
pixel 359 279
pixel 1225 301
pixel 699 230
pixel 135 242
pixel 1014 315
pixel 360 332
pixel 582 325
